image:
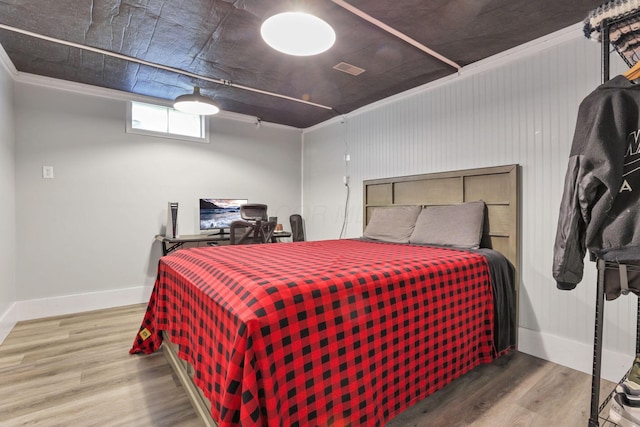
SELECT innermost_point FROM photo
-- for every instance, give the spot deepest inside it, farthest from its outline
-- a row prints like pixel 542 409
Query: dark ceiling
pixel 220 40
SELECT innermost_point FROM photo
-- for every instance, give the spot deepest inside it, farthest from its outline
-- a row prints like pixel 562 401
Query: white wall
pixel 86 237
pixel 7 213
pixel 519 108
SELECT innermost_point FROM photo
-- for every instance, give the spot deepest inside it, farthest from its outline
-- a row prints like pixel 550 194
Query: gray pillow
pixel 392 224
pixel 454 225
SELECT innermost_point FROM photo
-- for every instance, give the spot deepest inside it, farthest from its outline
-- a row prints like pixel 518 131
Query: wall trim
pixel 6 63
pixel 530 48
pixel 573 354
pixel 8 320
pixel 85 89
pixel 70 304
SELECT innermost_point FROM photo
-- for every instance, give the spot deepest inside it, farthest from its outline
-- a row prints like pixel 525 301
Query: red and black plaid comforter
pixel 341 332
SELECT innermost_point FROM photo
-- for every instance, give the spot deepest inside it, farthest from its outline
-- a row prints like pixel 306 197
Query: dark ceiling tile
pixel 220 40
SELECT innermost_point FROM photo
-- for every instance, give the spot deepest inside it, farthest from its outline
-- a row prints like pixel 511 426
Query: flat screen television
pixel 218 214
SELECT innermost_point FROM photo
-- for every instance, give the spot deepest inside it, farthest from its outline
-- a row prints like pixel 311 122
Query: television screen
pixel 219 213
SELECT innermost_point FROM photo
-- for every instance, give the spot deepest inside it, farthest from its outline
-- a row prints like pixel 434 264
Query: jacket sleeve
pixel 569 249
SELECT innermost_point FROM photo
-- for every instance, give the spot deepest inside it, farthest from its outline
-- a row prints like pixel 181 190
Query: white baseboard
pixel 8 320
pixel 573 354
pixel 68 304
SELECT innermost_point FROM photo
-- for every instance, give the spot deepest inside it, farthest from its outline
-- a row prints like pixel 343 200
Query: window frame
pixel 204 123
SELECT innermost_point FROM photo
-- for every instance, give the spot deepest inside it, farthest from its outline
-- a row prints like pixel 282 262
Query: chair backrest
pixel 253 212
pixel 266 231
pixel 297 228
pixel 241 232
pixel 251 232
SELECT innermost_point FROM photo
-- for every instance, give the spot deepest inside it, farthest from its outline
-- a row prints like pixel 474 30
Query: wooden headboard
pixel 496 186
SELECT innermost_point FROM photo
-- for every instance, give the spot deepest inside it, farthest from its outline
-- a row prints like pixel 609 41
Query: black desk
pixel 279 234
pixel 170 244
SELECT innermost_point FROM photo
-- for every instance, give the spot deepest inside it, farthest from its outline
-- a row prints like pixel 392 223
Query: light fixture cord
pixel 345 135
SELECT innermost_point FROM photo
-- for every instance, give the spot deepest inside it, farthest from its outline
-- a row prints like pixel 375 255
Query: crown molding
pixel 7 64
pixel 564 35
pixel 85 89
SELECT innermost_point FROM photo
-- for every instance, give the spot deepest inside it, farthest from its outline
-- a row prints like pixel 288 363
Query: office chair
pixel 247 232
pixel 253 228
pixel 297 228
pixel 253 212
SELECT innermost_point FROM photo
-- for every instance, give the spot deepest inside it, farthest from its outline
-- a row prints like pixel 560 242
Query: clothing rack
pixel 602 265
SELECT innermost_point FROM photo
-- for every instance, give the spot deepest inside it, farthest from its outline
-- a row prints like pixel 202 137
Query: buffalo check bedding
pixel 341 332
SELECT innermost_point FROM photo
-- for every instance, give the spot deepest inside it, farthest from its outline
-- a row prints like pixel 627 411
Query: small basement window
pixel 166 122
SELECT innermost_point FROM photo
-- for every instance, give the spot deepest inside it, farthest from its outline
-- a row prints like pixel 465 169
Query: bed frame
pixel 184 372
pixel 498 187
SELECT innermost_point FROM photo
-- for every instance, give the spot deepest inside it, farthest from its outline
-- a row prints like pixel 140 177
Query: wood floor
pixel 76 371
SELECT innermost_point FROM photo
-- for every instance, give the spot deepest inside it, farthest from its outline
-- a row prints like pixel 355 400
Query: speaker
pixel 172 220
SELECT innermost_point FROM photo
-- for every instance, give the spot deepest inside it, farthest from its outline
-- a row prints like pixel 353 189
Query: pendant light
pixel 195 103
pixel 297 33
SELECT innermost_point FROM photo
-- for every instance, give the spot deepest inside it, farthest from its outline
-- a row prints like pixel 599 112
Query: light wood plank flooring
pixel 76 371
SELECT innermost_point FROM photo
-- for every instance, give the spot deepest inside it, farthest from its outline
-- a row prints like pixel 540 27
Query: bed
pixel 341 332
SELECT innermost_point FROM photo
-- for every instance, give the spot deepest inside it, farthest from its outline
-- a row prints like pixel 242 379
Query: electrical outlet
pixel 345 180
pixel 47 172
pixel 347 158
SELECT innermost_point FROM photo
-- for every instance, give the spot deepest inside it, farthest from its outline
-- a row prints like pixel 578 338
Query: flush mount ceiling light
pixel 297 33
pixel 195 104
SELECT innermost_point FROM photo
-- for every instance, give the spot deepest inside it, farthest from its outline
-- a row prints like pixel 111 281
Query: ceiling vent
pixel 349 69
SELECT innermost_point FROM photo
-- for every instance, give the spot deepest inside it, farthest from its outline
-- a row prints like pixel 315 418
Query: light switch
pixel 47 172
